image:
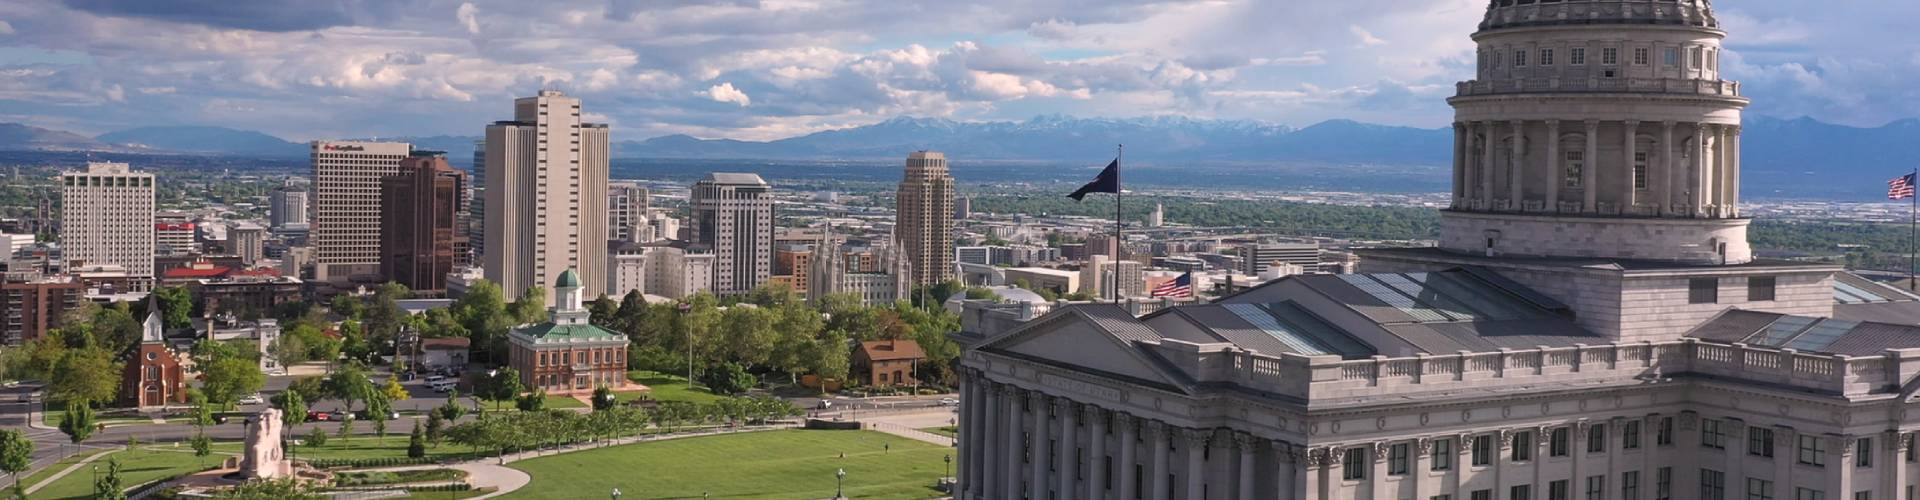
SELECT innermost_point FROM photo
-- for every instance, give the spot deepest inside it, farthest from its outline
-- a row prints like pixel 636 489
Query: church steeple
pixel 154 330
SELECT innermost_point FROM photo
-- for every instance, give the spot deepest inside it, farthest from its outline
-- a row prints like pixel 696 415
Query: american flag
pixel 1179 288
pixel 1900 188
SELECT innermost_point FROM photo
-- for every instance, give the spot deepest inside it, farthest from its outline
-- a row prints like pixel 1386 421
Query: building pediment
pixel 1075 339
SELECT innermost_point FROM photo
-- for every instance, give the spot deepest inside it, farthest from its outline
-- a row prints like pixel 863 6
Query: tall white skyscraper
pixel 287 205
pixel 733 215
pixel 627 213
pixel 106 218
pixel 346 206
pixel 546 196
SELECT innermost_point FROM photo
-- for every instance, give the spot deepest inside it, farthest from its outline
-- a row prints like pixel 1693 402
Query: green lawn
pixel 768 464
pixel 665 387
pixel 136 467
pixel 563 402
pixel 58 466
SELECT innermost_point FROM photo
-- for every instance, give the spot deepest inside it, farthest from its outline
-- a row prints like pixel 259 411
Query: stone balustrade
pixel 1330 377
pixel 1685 86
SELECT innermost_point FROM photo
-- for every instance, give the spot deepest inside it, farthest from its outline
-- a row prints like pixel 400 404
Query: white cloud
pixel 466 14
pixel 1366 37
pixel 726 93
pixel 5 28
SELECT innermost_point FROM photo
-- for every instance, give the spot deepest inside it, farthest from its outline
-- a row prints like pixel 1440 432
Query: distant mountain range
pixel 1780 156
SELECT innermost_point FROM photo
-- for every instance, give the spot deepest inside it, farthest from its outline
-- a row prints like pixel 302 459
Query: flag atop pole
pixel 1899 188
pixel 1179 288
pixel 1107 182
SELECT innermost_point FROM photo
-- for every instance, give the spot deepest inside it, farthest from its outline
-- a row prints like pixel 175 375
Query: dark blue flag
pixel 1107 182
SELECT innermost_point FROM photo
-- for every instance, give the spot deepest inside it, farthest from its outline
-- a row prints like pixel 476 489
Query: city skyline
pixel 421 68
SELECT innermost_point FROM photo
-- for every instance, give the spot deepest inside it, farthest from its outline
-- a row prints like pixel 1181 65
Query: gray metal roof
pixel 1807 334
pixel 735 178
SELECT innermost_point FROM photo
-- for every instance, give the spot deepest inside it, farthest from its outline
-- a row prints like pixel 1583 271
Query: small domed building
pixel 568 354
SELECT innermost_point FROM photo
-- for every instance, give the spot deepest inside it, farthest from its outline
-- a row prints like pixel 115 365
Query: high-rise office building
pixel 249 241
pixel 924 217
pixel 627 206
pixel 287 205
pixel 733 215
pixel 421 238
pixel 477 207
pixel 31 304
pixel 106 218
pixel 346 207
pixel 546 199
pixel 1255 258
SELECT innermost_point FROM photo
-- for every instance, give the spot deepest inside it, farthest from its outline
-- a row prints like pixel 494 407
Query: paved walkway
pixel 908 425
pixel 69 470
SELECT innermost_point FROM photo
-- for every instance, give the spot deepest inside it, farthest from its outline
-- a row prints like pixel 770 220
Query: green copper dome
pixel 568 279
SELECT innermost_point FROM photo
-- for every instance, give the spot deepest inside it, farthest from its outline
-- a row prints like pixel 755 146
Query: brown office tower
pixel 419 222
pixel 925 217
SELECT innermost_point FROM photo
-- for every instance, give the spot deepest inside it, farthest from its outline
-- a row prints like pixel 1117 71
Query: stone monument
pixel 264 458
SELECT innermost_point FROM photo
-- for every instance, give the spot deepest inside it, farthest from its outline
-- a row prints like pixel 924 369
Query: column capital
pixel 1424 444
pixel 1155 428
pixel 1593 125
pixel 1317 457
pixel 1380 451
pixel 1517 123
pixel 1632 124
pixel 1092 413
pixel 1244 442
pixel 1038 398
pixel 1284 450
pixel 1123 420
pixel 1902 441
pixel 1465 443
pixel 1668 125
pixel 1064 405
pixel 1553 124
pixel 1196 437
pixel 1733 130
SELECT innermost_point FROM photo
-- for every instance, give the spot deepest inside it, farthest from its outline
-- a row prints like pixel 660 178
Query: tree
pixel 349 384
pixel 532 306
pixel 452 410
pixel 346 428
pixel 317 438
pixel 230 377
pixel 202 412
pixel 434 426
pixel 346 306
pixel 114 329
pixel 532 401
pixel 176 306
pixel 483 312
pixel 501 385
pixel 78 421
pixel 16 453
pixel 289 350
pixel 378 409
pixel 293 407
pixel 85 375
pixel 202 446
pixel 393 390
pixel 272 489
pixel 728 379
pixel 417 442
pixel 383 315
pixel 108 487
pixel 603 399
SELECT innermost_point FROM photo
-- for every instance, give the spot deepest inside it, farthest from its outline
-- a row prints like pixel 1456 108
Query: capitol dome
pixel 1502 14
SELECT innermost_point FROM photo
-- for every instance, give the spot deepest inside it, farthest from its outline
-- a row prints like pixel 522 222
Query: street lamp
pixel 838 478
pixel 949 460
pixel 616 494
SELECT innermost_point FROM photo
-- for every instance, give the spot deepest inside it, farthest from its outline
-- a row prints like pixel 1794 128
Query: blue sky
pixel 764 69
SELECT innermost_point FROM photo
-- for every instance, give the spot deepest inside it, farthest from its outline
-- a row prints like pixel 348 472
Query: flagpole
pixel 1120 152
pixel 1913 236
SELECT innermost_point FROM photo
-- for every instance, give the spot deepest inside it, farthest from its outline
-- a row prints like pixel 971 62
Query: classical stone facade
pixel 1593 324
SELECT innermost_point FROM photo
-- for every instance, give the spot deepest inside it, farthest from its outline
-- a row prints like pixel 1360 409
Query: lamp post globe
pixel 616 494
pixel 948 458
pixel 839 477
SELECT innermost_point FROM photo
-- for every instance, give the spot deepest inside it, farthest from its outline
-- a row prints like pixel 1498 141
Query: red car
pixel 318 416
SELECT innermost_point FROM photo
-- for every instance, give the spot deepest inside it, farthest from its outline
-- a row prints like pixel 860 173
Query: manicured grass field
pixel 136 467
pixel 768 464
pixel 665 387
pixel 60 465
pixel 563 402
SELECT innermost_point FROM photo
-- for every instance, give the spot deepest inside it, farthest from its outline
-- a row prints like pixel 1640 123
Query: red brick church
pixel 153 378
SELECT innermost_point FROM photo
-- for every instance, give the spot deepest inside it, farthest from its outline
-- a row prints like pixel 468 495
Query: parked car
pixel 341 415
pixel 318 416
pixel 253 399
pixel 949 402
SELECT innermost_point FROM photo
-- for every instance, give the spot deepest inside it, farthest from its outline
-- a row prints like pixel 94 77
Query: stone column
pixel 1196 474
pixel 1487 147
pixel 1287 483
pixel 1840 464
pixel 1041 446
pixel 1244 444
pixel 1701 184
pixel 1732 166
pixel 1314 477
pixel 1096 451
pixel 1589 175
pixel 1461 140
pixel 985 462
pixel 1129 454
pixel 1666 169
pixel 1516 183
pixel 1630 197
pixel 1556 176
pixel 1717 171
pixel 1785 445
pixel 972 429
pixel 1736 452
pixel 1157 475
pixel 1010 474
pixel 1069 468
pixel 1896 476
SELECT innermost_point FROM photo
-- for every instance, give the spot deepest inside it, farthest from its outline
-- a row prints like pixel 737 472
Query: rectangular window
pixel 1760 442
pixel 1353 464
pixel 1576 164
pixel 1807 494
pixel 1703 291
pixel 1639 170
pixel 1609 56
pixel 1761 288
pixel 1663 431
pixel 1663 484
pixel 1813 451
pixel 1863 452
pixel 1630 435
pixel 1481 495
pixel 1522 446
pixel 1713 485
pixel 1759 489
pixel 1440 497
pixel 1630 485
pixel 1483 450
pixel 1397 459
pixel 1672 56
pixel 1559 442
pixel 1577 56
pixel 1558 490
pixel 1546 57
pixel 1694 59
pixel 1520 492
pixel 1863 495
pixel 1442 457
pixel 1640 57
pixel 1597 438
pixel 1711 435
pixel 1596 487
pixel 1519 59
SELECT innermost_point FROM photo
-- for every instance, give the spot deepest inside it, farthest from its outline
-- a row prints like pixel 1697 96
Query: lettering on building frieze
pixel 1078 387
pixel 1466 415
pixel 1423 418
pixel 1380 423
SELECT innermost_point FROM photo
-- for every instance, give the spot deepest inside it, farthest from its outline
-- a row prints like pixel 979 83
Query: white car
pixel 949 402
pixel 253 399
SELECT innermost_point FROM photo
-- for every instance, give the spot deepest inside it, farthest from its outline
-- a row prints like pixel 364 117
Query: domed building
pixel 1592 324
pixel 569 354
